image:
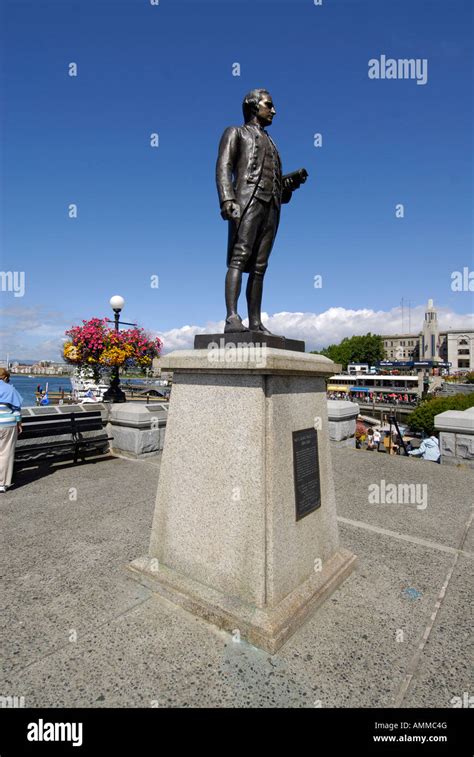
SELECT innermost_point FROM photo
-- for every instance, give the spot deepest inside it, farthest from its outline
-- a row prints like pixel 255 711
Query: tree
pixel 355 349
pixel 422 419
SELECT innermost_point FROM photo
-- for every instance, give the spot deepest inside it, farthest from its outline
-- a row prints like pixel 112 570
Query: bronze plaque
pixel 306 472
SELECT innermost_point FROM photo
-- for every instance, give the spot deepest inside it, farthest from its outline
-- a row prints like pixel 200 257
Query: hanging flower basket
pixel 97 346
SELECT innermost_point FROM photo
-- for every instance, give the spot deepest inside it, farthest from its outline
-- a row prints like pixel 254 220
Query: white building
pixel 457 348
pixel 432 345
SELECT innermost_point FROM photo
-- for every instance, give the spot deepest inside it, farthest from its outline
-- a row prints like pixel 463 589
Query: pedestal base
pixel 267 628
pixel 248 338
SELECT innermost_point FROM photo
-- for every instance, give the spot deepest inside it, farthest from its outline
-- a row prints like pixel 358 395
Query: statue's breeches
pixel 251 239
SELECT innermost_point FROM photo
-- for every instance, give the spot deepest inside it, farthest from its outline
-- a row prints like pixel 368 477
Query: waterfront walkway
pixel 76 630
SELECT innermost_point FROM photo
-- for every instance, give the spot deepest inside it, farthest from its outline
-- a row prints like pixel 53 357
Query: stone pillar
pixel 342 416
pixel 456 436
pixel 227 543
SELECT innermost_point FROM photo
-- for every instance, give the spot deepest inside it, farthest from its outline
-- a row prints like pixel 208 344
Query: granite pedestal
pixel 226 543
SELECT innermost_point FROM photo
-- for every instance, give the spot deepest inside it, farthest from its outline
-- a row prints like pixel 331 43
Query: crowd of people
pixel 370 398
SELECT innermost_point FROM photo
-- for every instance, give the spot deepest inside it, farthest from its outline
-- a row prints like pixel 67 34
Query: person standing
pixel 10 426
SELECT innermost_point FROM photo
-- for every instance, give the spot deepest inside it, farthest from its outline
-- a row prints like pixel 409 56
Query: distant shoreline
pixel 123 376
pixel 42 375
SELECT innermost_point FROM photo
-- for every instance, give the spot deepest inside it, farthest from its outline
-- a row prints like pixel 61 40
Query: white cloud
pixel 34 333
pixel 321 329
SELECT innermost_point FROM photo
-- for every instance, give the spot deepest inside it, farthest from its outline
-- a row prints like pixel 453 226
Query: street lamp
pixel 116 303
pixel 114 393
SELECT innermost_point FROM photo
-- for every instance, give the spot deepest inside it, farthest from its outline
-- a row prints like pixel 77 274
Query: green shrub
pixel 422 419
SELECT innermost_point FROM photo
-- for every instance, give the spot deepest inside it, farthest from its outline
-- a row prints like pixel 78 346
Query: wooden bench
pixel 48 428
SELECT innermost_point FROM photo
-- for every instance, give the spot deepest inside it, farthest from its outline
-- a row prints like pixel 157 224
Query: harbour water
pixel 27 386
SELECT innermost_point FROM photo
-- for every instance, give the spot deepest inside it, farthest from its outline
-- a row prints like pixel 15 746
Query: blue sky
pixel 146 211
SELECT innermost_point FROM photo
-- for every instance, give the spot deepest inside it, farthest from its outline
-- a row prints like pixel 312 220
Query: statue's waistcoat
pixel 247 157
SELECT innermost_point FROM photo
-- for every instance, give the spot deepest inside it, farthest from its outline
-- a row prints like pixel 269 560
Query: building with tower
pixel 430 337
pixel 453 349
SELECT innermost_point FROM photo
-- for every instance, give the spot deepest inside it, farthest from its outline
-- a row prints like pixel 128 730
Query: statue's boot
pixel 234 325
pixel 233 283
pixel 254 302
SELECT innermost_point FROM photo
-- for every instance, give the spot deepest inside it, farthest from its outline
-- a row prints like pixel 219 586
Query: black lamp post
pixel 114 393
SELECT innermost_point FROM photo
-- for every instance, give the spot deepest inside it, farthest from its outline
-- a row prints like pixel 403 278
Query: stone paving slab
pixel 445 670
pixel 449 491
pixel 48 504
pixel 64 570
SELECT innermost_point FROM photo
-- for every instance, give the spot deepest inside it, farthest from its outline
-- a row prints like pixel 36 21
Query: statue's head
pixel 258 104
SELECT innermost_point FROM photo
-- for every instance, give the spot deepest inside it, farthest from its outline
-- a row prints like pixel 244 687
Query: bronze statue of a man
pixel 251 190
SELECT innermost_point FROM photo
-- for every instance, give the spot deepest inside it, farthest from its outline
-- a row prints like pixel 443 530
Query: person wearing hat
pixel 10 426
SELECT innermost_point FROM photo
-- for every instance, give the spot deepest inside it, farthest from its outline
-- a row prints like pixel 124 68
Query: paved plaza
pixel 78 631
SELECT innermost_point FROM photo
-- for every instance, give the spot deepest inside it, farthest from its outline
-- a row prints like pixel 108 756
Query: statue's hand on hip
pixel 230 210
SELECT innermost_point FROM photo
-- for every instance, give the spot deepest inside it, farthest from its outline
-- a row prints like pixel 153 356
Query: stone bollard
pixel 342 416
pixel 138 428
pixel 456 436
